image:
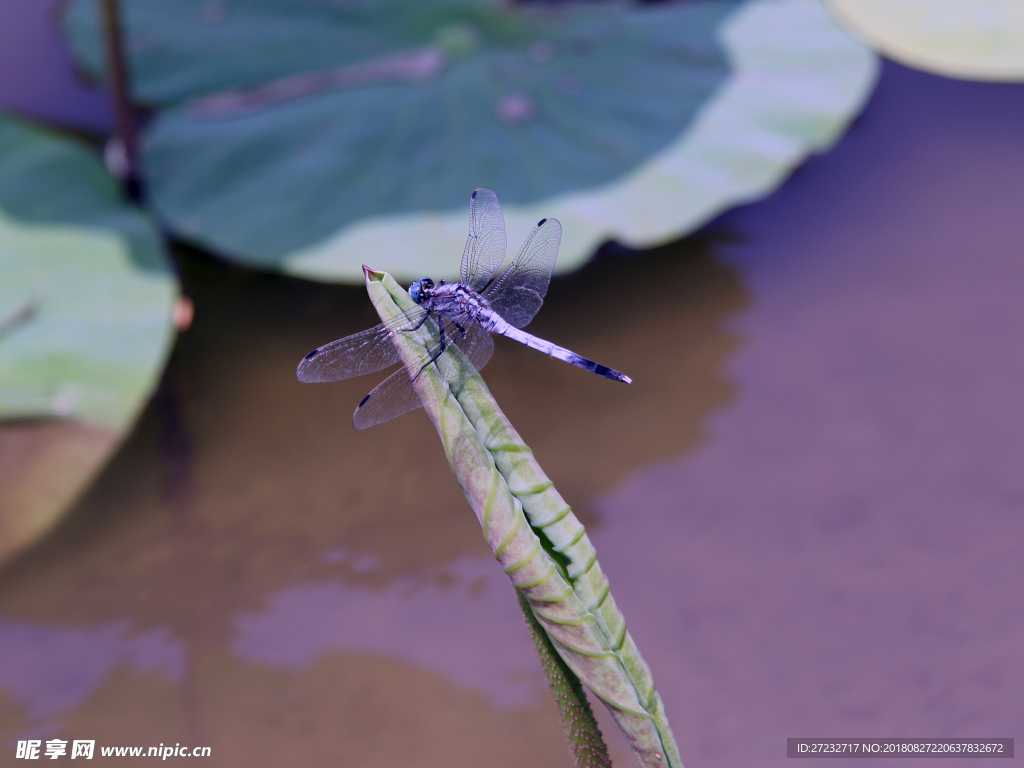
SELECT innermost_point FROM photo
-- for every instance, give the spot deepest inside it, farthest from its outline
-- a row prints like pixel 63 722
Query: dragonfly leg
pixel 446 338
pixel 426 316
pixel 433 359
pixel 440 352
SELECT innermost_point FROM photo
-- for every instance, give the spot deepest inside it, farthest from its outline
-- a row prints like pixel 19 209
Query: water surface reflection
pixel 842 555
pixel 250 573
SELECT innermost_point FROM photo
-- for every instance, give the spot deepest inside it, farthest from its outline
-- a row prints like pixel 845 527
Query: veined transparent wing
pixel 356 355
pixel 486 244
pixel 396 395
pixel 518 293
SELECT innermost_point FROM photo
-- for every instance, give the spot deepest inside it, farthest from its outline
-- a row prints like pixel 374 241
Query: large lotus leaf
pixel 89 272
pixel 796 81
pixel 85 322
pixel 968 39
pixel 534 102
pixel 306 135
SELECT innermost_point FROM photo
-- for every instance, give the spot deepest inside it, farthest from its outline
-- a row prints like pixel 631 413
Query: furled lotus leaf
pixel 304 135
pixel 975 40
pixel 535 537
pixel 85 323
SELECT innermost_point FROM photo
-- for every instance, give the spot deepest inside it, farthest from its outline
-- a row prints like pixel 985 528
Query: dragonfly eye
pixel 420 290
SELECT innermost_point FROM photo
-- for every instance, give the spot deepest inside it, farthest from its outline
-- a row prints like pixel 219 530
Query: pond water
pixel 809 502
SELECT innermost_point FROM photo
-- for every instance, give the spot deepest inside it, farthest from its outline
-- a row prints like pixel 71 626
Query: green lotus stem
pixel 585 742
pixel 535 537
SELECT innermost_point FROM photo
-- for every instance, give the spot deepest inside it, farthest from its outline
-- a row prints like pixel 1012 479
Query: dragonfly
pixel 465 314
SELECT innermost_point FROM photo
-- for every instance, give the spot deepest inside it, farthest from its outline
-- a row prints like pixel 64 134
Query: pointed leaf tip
pixel 372 274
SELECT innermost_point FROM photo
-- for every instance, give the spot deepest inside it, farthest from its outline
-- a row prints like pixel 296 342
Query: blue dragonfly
pixel 465 314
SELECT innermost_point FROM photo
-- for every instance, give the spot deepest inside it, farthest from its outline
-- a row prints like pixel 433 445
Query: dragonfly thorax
pixel 454 302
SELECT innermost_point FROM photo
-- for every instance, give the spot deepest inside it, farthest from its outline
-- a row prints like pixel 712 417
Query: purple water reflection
pixel 844 555
pixel 50 670
pixel 36 74
pixel 463 623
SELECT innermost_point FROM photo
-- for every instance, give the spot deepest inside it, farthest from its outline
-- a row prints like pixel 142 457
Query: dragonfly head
pixel 420 290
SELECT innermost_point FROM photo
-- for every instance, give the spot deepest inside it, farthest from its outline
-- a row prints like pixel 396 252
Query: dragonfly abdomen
pixel 561 353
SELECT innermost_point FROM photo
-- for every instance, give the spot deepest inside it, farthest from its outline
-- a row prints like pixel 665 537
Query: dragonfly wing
pixel 366 352
pixel 485 246
pixel 390 399
pixel 517 294
pixel 396 395
pixel 478 346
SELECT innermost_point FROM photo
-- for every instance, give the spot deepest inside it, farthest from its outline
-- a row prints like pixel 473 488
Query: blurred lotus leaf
pixel 85 322
pixel 305 134
pixel 976 40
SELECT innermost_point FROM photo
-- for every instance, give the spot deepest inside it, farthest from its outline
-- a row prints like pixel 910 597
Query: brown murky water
pixel 810 511
pixel 244 505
